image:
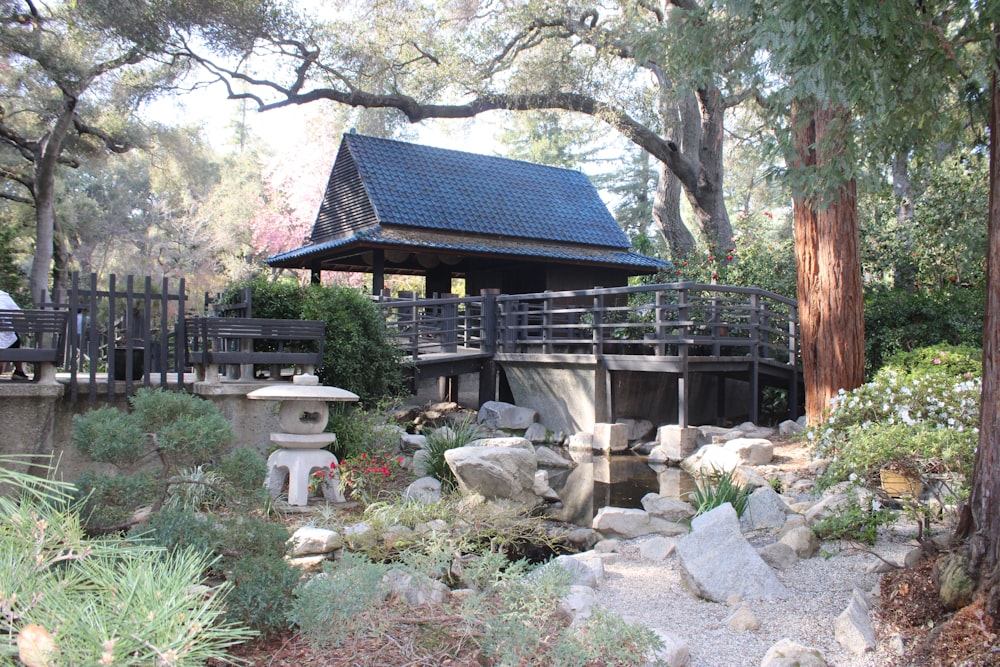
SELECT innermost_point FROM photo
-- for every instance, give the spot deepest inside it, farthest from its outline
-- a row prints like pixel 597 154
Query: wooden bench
pixel 42 334
pixel 215 342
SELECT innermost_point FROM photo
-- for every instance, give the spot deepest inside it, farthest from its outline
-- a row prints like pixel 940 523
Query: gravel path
pixel 653 594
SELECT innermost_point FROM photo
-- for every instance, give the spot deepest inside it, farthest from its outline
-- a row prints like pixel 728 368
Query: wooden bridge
pixel 650 348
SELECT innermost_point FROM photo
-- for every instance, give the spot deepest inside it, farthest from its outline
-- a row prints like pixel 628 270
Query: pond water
pixel 619 480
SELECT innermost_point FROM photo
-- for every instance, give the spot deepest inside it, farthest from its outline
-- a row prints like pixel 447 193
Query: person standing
pixel 9 338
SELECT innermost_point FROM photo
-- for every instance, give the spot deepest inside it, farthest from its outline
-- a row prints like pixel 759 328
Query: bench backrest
pixel 38 329
pixel 207 332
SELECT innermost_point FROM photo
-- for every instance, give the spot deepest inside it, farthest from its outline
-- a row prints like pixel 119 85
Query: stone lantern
pixel 303 414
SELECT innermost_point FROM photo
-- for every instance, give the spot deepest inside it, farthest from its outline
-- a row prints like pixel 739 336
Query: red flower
pixel 729 257
pixel 715 276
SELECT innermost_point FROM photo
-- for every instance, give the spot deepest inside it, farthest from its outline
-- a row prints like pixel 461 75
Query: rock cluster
pixel 718 560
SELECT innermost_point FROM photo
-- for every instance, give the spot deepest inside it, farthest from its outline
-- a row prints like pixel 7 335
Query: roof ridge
pixel 538 165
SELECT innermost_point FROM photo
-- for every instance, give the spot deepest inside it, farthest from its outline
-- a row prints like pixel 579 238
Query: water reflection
pixel 612 481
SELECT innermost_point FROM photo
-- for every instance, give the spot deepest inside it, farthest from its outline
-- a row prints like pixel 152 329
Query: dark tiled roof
pixel 421 187
pixel 468 243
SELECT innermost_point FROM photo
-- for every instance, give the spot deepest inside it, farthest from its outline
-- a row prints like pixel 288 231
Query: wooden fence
pixel 132 330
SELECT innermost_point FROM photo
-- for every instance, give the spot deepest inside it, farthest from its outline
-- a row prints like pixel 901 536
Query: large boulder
pixel 628 523
pixel 665 507
pixel 717 562
pixel 500 415
pixel 765 510
pixel 495 472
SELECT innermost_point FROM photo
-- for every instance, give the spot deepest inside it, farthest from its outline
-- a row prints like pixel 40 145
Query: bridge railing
pixel 444 324
pixel 676 319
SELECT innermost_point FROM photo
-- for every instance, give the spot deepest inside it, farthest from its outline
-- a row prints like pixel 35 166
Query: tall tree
pixel 68 87
pixel 984 503
pixel 468 58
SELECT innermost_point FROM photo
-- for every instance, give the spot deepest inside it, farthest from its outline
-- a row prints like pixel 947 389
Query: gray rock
pixel 610 437
pixel 608 546
pixel 765 510
pixel 676 442
pixel 577 605
pixel 657 548
pixel 752 451
pixel 586 568
pixel 495 472
pixel 673 653
pixel 582 440
pixel 664 507
pixel 853 628
pixel 549 458
pixel 787 653
pixel 628 523
pixel 743 620
pixel 788 427
pixel 778 555
pixel 310 540
pixel 711 459
pixel 542 489
pixel 500 415
pixel 717 561
pixel 802 540
pixel 415 592
pixel 503 442
pixel 638 429
pixel 537 433
pixel 412 442
pixel 423 489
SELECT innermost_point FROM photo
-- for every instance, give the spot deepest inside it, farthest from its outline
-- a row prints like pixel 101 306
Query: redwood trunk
pixel 985 497
pixel 827 256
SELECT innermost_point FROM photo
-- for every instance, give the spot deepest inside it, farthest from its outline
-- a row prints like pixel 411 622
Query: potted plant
pixel 900 478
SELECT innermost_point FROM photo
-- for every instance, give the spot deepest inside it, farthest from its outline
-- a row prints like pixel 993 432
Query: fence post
pixel 598 336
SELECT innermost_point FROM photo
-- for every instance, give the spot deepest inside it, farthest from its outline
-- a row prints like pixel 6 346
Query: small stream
pixel 619 480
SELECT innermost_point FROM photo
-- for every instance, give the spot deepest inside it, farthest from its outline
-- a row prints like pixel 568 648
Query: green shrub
pixel 359 355
pixel 179 527
pixel 106 601
pixel 337 605
pixel 279 299
pixel 229 539
pixel 165 429
pixel 914 413
pixel 111 500
pixel 260 595
pixel 900 321
pixel 243 471
pixel 110 435
pixel 360 428
pixel 440 441
pixel 195 488
pixel 188 429
pixel 718 488
pixel 854 522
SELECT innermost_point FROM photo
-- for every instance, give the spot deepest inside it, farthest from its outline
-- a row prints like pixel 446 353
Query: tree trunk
pixel 708 200
pixel 667 213
pixel 984 501
pixel 44 192
pixel 904 271
pixel 827 256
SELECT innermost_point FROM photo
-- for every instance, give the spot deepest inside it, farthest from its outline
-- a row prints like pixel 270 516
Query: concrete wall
pixel 569 392
pixel 38 419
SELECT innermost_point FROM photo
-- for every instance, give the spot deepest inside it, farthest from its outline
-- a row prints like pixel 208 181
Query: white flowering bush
pixel 919 413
